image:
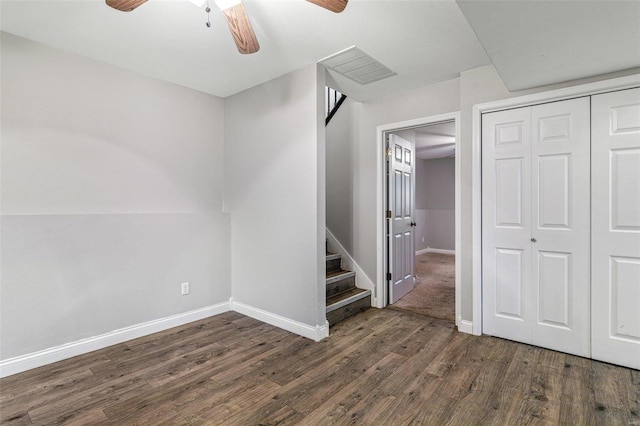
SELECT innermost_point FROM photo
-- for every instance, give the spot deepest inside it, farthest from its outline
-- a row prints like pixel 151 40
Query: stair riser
pixel 340 286
pixel 349 310
pixel 333 265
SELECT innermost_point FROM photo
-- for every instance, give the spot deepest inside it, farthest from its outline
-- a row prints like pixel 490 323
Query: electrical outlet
pixel 423 239
pixel 184 288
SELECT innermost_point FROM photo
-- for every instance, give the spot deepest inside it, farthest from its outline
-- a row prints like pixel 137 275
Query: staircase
pixel 334 100
pixel 343 297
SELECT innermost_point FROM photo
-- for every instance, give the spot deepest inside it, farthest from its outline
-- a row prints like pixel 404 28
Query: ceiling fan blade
pixel 336 6
pixel 124 5
pixel 241 29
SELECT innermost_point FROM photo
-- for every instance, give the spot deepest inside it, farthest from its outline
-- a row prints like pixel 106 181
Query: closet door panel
pixel 560 237
pixel 506 224
pixel 615 256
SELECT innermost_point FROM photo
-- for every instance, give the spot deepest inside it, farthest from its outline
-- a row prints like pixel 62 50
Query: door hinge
pixel 389 276
pixel 388 214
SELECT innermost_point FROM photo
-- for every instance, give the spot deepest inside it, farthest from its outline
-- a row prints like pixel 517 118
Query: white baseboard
pixel 26 362
pixel 435 250
pixel 465 326
pixel 362 280
pixel 38 359
pixel 316 333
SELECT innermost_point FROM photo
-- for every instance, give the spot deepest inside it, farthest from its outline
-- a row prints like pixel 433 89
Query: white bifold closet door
pixel 536 225
pixel 616 227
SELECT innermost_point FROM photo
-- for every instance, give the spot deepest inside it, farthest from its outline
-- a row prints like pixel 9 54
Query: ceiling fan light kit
pixel 236 17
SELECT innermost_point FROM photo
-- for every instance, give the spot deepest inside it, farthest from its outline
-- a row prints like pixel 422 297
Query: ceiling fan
pixel 236 17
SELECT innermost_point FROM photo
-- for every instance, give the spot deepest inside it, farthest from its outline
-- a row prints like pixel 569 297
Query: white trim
pixel 381 289
pixel 476 212
pixel 38 359
pixel 316 333
pixel 434 250
pixel 362 279
pixel 465 327
pixel 589 89
pixel 381 293
pixel 458 224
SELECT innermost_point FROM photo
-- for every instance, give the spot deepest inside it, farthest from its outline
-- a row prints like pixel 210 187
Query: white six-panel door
pixel 536 225
pixel 616 227
pixel 401 225
pixel 506 224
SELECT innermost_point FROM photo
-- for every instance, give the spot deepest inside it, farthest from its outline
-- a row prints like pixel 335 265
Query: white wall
pixel 112 188
pixel 274 169
pixel 435 204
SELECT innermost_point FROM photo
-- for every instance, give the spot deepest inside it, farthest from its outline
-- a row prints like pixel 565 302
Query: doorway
pixel 433 245
pixel 436 235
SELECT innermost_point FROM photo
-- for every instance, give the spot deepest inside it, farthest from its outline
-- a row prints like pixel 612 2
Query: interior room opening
pixel 429 200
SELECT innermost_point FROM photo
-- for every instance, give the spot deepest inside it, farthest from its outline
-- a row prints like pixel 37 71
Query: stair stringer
pixel 348 263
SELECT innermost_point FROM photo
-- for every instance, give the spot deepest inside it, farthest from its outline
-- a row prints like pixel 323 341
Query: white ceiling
pixel 423 41
pixel 535 43
pixel 434 141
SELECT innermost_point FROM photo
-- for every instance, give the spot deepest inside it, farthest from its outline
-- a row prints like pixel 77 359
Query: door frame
pixel 588 89
pixel 381 182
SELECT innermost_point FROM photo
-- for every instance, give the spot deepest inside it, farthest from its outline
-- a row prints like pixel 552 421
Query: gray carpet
pixel 434 294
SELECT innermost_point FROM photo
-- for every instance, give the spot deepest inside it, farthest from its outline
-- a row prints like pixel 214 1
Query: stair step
pixel 339 281
pixel 333 256
pixel 334 262
pixel 346 304
pixel 342 299
pixel 339 275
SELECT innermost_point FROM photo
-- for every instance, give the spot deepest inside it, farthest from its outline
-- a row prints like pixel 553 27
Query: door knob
pixel 413 224
pixel 533 240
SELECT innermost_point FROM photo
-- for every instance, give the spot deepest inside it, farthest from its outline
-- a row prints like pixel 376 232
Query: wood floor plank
pixel 39 393
pixel 518 374
pixel 240 397
pixel 542 402
pixel 338 405
pixel 421 336
pixel 379 367
pixel 285 416
pixel 610 386
pixel 174 392
pixel 309 391
pixel 16 418
pixel 453 352
pixel 437 410
pixel 20 384
pixel 93 398
pixel 577 403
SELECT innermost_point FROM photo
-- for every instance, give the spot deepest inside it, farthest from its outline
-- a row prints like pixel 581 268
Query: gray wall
pixel 435 204
pixel 274 169
pixel 340 133
pixel 112 188
pixel 112 191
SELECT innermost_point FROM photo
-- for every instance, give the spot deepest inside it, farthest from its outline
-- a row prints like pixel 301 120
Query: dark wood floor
pixel 381 367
